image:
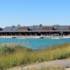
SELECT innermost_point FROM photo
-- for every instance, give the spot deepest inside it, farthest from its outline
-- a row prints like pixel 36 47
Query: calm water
pixel 35 43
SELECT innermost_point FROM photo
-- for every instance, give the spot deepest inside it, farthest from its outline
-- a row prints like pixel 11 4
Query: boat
pixel 13 37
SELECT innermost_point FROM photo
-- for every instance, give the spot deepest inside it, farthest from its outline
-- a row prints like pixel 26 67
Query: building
pixel 34 30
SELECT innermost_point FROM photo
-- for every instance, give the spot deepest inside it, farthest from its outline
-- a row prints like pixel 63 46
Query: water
pixel 35 43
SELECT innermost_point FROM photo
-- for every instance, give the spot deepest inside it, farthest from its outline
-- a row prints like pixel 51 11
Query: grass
pixel 14 55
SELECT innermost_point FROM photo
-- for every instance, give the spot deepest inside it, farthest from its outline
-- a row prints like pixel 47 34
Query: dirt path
pixel 64 63
pixel 68 69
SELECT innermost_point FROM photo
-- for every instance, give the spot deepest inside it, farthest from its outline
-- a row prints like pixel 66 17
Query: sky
pixel 34 12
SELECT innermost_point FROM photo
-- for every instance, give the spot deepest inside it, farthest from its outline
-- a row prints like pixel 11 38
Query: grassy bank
pixel 15 55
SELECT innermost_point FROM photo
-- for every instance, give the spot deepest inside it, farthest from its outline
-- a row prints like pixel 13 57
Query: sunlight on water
pixel 35 43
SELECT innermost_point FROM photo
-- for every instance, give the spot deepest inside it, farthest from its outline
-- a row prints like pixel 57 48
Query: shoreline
pixel 48 37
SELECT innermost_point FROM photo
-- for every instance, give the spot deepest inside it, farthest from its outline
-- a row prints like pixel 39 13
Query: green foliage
pixel 15 55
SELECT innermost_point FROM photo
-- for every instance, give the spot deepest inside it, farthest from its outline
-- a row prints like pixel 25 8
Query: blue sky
pixel 34 12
